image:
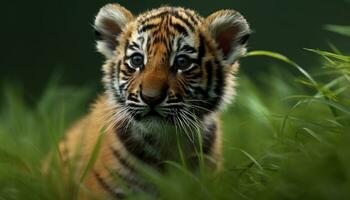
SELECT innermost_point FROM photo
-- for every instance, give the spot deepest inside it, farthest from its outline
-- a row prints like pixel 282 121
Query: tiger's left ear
pixel 109 23
pixel 231 32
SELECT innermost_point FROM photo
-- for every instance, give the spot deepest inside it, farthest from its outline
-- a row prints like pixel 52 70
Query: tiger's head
pixel 169 64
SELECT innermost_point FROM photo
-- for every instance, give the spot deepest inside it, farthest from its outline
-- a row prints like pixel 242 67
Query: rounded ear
pixel 109 23
pixel 231 32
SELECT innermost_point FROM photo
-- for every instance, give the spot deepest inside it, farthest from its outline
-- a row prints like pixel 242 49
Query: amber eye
pixel 182 62
pixel 137 60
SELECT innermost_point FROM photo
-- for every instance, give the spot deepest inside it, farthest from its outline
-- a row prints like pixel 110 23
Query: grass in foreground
pixel 285 137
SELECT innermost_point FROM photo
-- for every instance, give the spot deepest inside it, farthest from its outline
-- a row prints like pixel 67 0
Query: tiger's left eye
pixel 182 62
pixel 137 60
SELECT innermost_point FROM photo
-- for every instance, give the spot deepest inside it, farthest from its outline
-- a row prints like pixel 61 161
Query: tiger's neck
pixel 163 143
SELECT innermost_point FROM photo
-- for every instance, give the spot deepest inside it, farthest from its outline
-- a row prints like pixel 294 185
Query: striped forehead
pixel 175 28
pixel 182 19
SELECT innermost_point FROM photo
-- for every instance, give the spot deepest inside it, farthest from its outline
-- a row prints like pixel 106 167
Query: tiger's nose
pixel 153 97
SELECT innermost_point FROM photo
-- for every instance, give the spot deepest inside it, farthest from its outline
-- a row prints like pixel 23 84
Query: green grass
pixel 286 136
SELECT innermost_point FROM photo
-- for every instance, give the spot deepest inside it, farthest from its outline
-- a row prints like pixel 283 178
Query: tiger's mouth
pixel 153 114
pixel 162 115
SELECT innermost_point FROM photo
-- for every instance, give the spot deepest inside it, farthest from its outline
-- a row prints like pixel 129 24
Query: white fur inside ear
pixel 109 23
pixel 223 21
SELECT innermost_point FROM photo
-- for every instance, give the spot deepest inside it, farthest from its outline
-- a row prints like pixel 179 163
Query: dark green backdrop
pixel 40 37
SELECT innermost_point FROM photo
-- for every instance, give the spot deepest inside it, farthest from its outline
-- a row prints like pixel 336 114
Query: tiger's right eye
pixel 182 62
pixel 137 60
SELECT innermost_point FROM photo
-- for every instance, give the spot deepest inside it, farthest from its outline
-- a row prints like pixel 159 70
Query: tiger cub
pixel 168 73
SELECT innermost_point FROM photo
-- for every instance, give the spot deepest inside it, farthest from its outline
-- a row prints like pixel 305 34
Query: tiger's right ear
pixel 231 33
pixel 109 22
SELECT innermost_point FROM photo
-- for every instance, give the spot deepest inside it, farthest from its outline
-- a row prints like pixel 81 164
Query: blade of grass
pixel 250 158
pixel 330 55
pixel 315 135
pixel 93 156
pixel 284 59
pixel 343 30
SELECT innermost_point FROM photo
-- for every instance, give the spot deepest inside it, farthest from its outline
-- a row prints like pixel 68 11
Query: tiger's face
pixel 169 64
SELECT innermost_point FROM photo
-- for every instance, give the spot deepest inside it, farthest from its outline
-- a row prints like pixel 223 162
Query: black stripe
pixel 131 181
pixel 169 43
pixel 124 78
pixel 161 14
pixel 173 101
pixel 184 86
pixel 179 28
pixel 128 70
pixel 201 91
pixel 209 68
pixel 220 84
pixel 213 102
pixel 188 49
pixel 173 13
pixel 209 138
pixel 148 45
pixel 194 75
pixel 128 180
pixel 192 17
pixel 122 86
pixel 133 98
pixel 107 187
pixel 126 47
pixel 148 27
pixel 122 160
pixel 114 76
pixel 192 69
pixel 136 147
pixel 118 70
pixel 150 140
pixel 178 16
pixel 201 50
pixel 124 73
pixel 133 46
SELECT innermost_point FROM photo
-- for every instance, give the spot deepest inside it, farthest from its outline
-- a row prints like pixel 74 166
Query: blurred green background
pixel 42 37
pixel 285 137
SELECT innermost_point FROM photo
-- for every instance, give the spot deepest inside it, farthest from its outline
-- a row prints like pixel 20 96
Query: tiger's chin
pixel 154 121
